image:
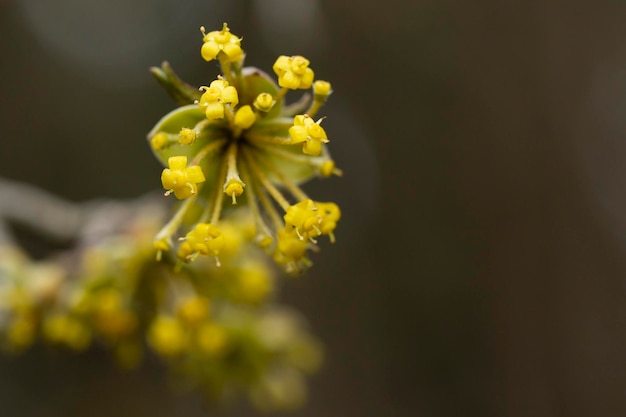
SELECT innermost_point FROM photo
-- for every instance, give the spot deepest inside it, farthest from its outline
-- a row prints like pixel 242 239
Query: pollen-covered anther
pixel 205 239
pixel 293 72
pixel 181 179
pixel 215 96
pixel 221 42
pixel 308 132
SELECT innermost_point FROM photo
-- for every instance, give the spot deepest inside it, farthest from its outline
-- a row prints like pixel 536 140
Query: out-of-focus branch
pixel 38 210
pixel 61 220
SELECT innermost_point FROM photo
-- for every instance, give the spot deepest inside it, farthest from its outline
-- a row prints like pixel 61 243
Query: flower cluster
pixel 219 327
pixel 237 138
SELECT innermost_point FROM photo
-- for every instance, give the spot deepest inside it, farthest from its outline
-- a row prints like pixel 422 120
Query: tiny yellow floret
pixel 221 42
pixel 264 102
pixel 327 168
pixel 308 132
pixel 216 96
pixel 187 136
pixel 293 72
pixel 158 141
pixel 67 330
pixel 180 179
pixel 264 240
pixel 205 239
pixel 167 336
pixel 22 331
pixel 305 218
pixel 290 248
pixel 244 117
pixel 330 215
pixel 193 310
pixel 254 284
pixel 234 188
pixel 322 88
pixel 212 339
pixel 162 244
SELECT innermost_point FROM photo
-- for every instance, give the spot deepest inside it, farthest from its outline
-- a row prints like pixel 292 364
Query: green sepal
pixel 180 91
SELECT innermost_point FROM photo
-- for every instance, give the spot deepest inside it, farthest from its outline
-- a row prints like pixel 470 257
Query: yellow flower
pixel 166 336
pixel 246 152
pixel 330 214
pixel 186 136
pixel 216 96
pixel 290 249
pixel 221 41
pixel 244 117
pixel 212 339
pixel 193 310
pixel 310 219
pixel 67 330
pixel 22 331
pixel 264 102
pixel 308 132
pixel 159 141
pixel 181 179
pixel 204 239
pixel 322 88
pixel 304 218
pixel 327 168
pixel 253 283
pixel 293 72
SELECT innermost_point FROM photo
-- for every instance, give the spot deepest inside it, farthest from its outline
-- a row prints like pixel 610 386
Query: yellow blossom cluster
pixel 119 297
pixel 237 138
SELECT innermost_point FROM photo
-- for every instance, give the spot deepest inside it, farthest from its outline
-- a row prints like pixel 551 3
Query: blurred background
pixel 479 268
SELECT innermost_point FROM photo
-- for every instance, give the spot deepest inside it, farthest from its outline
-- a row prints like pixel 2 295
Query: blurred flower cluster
pixel 216 326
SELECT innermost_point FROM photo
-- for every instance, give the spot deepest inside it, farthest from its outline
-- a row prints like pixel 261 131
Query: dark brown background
pixel 479 268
